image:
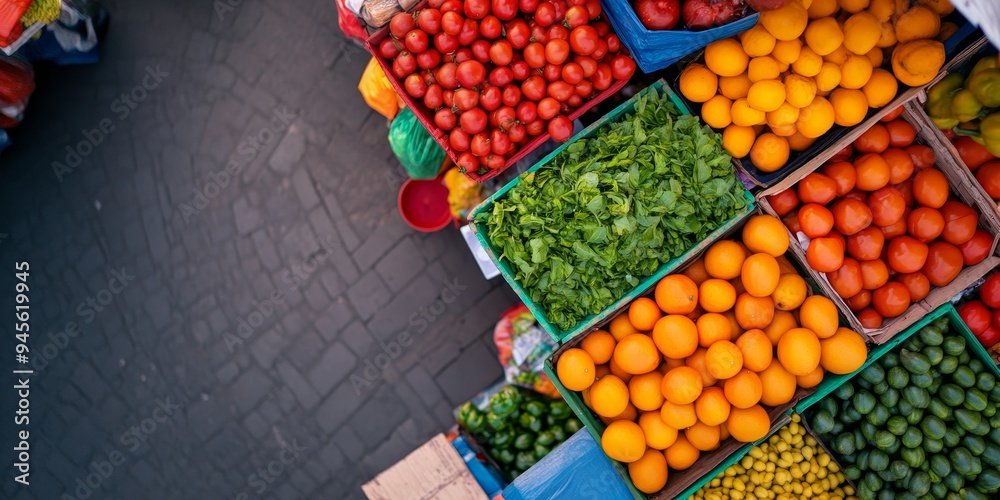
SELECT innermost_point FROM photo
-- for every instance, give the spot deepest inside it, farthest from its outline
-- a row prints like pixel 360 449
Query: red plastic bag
pixel 10 15
pixel 349 23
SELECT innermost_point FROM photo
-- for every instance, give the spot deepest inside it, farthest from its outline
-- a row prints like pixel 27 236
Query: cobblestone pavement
pixel 217 258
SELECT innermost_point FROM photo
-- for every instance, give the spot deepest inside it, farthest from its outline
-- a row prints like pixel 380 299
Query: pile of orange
pixel 883 225
pixel 698 360
pixel 810 65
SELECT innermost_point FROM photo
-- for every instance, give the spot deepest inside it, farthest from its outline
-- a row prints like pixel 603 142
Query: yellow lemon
pixel 737 140
pixel 769 152
pixel 815 119
pixel 849 106
pixel 698 83
pixel 787 51
pixel 917 23
pixel 855 72
pixel 822 8
pixel 734 87
pixel 716 112
pixel 757 41
pixel 763 68
pixel 726 57
pixel 787 22
pixel 766 95
pixel 808 63
pixel 828 77
pixel 838 56
pixel 880 89
pixel 824 36
pixel 799 90
pixel 744 115
pixel 876 57
pixel 861 32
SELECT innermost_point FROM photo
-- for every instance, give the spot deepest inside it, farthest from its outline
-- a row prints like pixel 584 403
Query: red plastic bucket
pixel 423 204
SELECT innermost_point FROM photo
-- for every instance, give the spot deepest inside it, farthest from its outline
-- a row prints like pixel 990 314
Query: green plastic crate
pixel 832 383
pixel 589 322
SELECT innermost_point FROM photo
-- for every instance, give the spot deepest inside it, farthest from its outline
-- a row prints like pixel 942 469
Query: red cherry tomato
pixel 473 121
pixel 583 40
pixel 552 72
pixel 975 315
pixel 556 51
pixel 534 55
pixel 388 48
pixel 500 142
pixel 584 89
pixel 511 95
pixel 517 133
pixel 480 145
pixel 527 6
pixel 466 99
pixel 415 86
pixel 434 97
pixel 416 41
pixel 527 112
pixel 469 33
pixel 490 27
pixel 468 161
pixel 518 34
pixel 622 67
pixel 477 9
pixel 602 77
pixel 451 6
pixel 545 14
pixel 560 128
pixel 445 119
pixel 505 117
pixel 521 70
pixel 493 161
pixel 548 108
pixel 459 140
pixel 451 23
pixel 995 318
pixel 560 90
pixel 446 75
pixel 429 20
pixel 944 262
pixel 501 76
pixel 572 73
pixel 404 65
pixel 490 98
pixel 470 73
pixel 445 43
pixel 534 88
pixel 536 127
pixel 576 16
pixel 401 24
pixel 557 31
pixel 481 51
pixel 504 9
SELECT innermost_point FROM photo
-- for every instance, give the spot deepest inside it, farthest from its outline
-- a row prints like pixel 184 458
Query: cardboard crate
pixel 679 481
pixel 589 323
pixel 426 115
pixel 433 471
pixel 962 184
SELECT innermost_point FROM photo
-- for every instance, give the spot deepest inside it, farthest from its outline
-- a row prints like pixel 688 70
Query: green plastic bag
pixel 419 153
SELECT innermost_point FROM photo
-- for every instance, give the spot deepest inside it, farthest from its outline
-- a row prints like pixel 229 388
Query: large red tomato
pixel 972 153
pixel 908 255
pixel 989 293
pixel 846 281
pixel 944 262
pixel 960 222
pixel 891 299
pixel 851 216
pixel 975 315
pixel 815 220
pixel 866 244
pixel 976 249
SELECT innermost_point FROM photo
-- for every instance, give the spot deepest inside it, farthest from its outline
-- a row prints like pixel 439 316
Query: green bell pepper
pixel 545 438
pixel 541 451
pixel 524 441
pixel 504 456
pixel 463 413
pixel 572 425
pixel 535 408
pixel 527 420
pixel 983 64
pixel 557 433
pixel 964 106
pixel 503 438
pixel 505 402
pixel 493 420
pixel 560 410
pixel 939 99
pixel 525 460
pixel 989 130
pixel 985 85
pixel 475 421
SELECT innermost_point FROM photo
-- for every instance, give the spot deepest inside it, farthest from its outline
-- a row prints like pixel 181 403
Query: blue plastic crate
pixel 655 50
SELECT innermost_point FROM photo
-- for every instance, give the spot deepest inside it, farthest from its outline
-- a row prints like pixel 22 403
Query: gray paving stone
pixel 330 321
pixel 289 150
pixel 304 393
pixel 400 265
pixel 248 219
pixel 368 295
pixel 332 368
pixel 250 389
pixel 475 369
pixel 339 405
pixel 303 185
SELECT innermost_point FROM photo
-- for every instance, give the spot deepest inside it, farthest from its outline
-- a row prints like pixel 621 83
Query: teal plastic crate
pixel 589 322
pixel 832 383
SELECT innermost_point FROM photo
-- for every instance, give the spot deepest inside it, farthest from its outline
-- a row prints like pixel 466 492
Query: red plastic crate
pixel 426 115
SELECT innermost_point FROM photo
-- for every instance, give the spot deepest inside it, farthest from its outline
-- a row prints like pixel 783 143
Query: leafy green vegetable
pixel 608 211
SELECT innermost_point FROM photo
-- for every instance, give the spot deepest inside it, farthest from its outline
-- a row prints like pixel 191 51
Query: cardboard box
pixel 962 184
pixel 433 471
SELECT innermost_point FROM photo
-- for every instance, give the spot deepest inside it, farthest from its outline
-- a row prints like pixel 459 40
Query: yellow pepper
pixel 985 85
pixel 989 130
pixel 939 99
pixel 964 106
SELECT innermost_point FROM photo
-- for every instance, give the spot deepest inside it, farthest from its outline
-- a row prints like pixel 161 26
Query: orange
pixel 609 396
pixel 823 35
pixel 636 354
pixel 681 455
pixel 649 473
pixel 766 95
pixel 623 441
pixel 782 322
pixel 716 295
pixel 861 32
pixel 621 327
pixel 798 351
pixel 800 90
pixel 843 352
pixel 698 83
pixel 724 260
pixel 735 87
pixel 678 416
pixel 643 314
pixel 748 425
pixel 676 294
pixel 822 8
pixel 600 345
pixel 778 386
pixel 617 371
pixel 658 434
pixel 880 89
pixel 737 140
pixel 697 272
pixel 726 57
pixel 757 41
pixel 630 414
pixel 744 389
pixel 763 68
pixel 644 391
pixel 575 369
pixel 790 292
pixel 734 326
pixel 828 77
pixel 787 22
pixel 811 379
pixel 723 359
pixel 815 119
pixel 770 152
pixel 713 327
pixel 799 142
pixel 682 385
pixel 849 106
pixel 765 234
pixel 675 336
pixel 697 361
pixel 754 312
pixel 819 314
pixel 703 436
pixel 745 115
pixel 760 274
pixel 712 407
pixel 855 72
pixel 782 120
pixel 724 433
pixel 808 64
pixel 717 112
pixel 787 51
pixel 585 394
pixel 756 348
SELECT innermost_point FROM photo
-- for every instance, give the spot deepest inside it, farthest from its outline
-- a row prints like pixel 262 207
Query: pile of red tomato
pixel 984 166
pixel 983 316
pixel 882 223
pixel 497 73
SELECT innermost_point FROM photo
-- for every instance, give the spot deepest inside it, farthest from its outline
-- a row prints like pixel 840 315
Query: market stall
pixel 767 270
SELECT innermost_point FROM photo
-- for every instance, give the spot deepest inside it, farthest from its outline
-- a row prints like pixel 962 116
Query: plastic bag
pixel 463 193
pixel 17 82
pixel 377 13
pixel 377 91
pixel 349 22
pixel 523 347
pixel 418 152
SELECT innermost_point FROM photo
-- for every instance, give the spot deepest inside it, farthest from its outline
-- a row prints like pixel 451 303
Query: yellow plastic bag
pixel 377 90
